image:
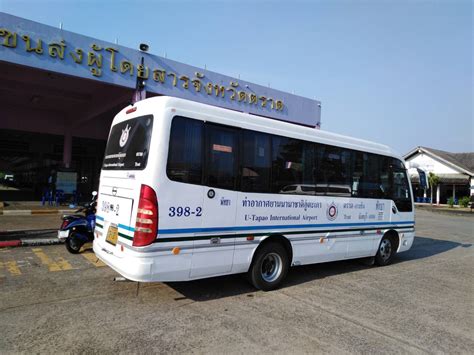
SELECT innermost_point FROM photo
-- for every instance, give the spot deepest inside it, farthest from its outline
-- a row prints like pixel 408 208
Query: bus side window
pixel 185 151
pixel 222 156
pixel 370 185
pixel 357 173
pixel 292 166
pixel 401 190
pixel 334 173
pixel 385 178
pixel 256 162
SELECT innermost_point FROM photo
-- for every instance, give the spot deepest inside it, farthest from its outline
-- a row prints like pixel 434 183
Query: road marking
pixel 13 268
pixel 52 266
pixel 93 259
pixel 63 264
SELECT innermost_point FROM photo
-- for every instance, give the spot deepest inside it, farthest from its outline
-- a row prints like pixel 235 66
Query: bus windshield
pixel 128 144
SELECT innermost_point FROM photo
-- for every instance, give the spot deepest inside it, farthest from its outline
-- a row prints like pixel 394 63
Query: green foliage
pixel 2 175
pixel 464 201
pixel 451 202
pixel 433 179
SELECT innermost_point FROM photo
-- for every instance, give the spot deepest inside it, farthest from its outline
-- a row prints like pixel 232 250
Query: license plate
pixel 112 235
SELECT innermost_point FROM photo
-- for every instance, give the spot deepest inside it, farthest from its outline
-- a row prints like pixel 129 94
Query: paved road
pixel 52 301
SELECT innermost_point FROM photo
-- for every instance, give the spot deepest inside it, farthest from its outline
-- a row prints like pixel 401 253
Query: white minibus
pixel 189 191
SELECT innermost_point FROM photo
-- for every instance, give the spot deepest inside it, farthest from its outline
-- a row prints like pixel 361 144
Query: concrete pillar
pixel 67 150
pixel 472 186
pixel 438 193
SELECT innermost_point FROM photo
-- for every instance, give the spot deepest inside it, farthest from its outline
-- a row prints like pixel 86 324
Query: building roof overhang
pixel 35 45
pixel 455 179
pixel 434 155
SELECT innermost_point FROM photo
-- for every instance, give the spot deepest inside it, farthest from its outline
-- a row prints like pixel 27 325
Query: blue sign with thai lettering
pixel 44 47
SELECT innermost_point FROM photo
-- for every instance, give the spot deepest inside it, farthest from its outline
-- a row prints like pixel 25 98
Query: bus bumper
pixel 406 241
pixel 144 266
pixel 132 268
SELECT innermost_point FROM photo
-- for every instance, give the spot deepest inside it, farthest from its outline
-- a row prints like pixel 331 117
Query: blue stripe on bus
pixel 246 228
pixel 123 226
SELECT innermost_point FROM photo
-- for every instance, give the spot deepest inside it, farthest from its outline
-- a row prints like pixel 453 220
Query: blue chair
pixel 47 196
pixel 59 197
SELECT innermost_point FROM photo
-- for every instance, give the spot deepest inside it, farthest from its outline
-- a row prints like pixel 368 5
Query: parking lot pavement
pixel 53 301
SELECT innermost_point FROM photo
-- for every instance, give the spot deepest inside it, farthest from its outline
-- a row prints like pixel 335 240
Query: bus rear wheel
pixel 269 267
pixel 386 250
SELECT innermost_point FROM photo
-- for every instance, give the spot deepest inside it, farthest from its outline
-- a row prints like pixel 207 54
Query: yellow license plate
pixel 112 235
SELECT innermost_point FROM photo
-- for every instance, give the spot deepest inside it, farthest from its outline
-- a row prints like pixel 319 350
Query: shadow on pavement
pixel 233 285
pixel 425 247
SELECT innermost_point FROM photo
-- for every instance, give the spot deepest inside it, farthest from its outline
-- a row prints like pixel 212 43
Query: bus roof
pixel 268 125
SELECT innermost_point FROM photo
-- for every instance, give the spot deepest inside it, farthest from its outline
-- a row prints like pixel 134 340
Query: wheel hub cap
pixel 385 249
pixel 272 266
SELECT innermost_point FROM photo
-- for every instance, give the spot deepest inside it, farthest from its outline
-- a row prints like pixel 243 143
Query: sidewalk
pixel 465 211
pixel 22 208
pixel 28 223
pixel 32 229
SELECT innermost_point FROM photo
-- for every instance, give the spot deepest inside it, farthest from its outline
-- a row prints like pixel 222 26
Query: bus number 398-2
pixel 184 211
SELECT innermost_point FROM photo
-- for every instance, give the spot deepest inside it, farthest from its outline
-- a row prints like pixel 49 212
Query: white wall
pixel 429 164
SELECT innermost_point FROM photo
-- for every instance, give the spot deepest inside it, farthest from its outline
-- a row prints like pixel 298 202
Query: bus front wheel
pixel 386 250
pixel 269 267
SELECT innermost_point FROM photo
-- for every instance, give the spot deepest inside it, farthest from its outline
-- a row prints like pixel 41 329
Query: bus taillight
pixel 146 225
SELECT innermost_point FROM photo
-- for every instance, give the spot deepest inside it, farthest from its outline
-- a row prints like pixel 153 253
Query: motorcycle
pixel 78 229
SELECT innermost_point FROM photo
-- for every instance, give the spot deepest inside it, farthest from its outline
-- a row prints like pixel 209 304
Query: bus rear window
pixel 128 144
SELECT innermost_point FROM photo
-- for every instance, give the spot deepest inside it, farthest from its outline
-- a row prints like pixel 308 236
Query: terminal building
pixel 59 92
pixel 455 172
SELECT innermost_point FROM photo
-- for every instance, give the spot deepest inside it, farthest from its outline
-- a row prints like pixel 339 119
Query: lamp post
pixel 140 92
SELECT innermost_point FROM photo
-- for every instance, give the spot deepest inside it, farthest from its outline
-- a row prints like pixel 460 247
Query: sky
pixel 394 72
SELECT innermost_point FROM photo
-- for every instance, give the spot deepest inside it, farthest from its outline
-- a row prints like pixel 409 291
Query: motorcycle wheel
pixel 73 245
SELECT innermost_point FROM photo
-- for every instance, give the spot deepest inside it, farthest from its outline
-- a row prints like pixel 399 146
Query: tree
pixel 433 180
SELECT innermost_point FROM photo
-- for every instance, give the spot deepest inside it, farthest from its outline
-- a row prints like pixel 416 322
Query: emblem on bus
pixel 331 212
pixel 124 136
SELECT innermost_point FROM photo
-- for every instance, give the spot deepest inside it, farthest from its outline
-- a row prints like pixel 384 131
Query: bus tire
pixel 386 250
pixel 269 266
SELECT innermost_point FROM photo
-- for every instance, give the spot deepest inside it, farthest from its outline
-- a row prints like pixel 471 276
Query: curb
pixel 34 212
pixel 29 242
pixel 10 243
pixel 8 232
pixel 20 238
pixel 451 211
